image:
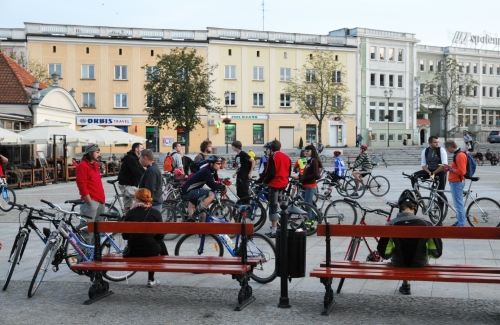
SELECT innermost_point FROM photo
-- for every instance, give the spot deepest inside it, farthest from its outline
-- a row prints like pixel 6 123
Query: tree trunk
pixel 186 151
pixel 445 127
pixel 320 123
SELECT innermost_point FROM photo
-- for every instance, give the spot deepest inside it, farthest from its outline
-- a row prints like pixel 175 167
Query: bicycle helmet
pixel 408 196
pixel 213 159
pixel 267 145
pixel 302 153
pixel 363 146
pixel 336 153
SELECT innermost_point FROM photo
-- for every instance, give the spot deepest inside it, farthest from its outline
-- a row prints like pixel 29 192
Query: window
pixel 439 90
pixel 391 54
pixel 382 137
pixel 498 70
pixel 230 133
pixel 381 111
pixel 484 68
pixel 440 66
pixel 310 56
pixel 491 69
pixel 460 90
pixel 373 110
pixel 285 100
pixel 231 100
pixel 230 72
pixel 422 89
pixel 381 52
pixel 120 52
pixel 55 67
pixel 467 67
pixel 372 52
pixel 229 52
pixel 431 89
pixel 87 50
pixel 258 99
pixel 88 100
pixel 467 91
pixel 484 91
pixel 337 76
pixel 391 80
pixel 382 80
pixel 149 100
pixel 400 55
pixel 258 133
pixel 258 73
pixel 183 74
pixel 310 75
pixel 475 67
pixel 422 65
pixel 336 57
pixel 151 73
pixel 310 101
pixel 337 101
pixel 285 55
pixel 121 72
pixel 310 133
pixel 400 113
pixel 258 54
pixel 391 137
pixel 88 71
pixel 400 81
pixel 390 112
pixel 498 92
pixel 460 67
pixel 54 49
pixel 121 100
pixel 431 66
pixel 152 52
pixel 285 74
pixel 491 92
pixel 373 76
pixel 475 91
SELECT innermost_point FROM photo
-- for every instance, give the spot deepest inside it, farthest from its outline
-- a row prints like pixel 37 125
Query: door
pixel 286 138
pixel 333 135
pixel 422 136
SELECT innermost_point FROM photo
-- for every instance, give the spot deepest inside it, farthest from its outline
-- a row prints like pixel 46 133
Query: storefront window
pixel 258 133
pixel 152 135
pixel 230 130
pixel 181 136
pixel 311 133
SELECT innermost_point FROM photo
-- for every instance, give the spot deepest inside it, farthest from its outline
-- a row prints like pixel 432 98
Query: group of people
pixel 488 156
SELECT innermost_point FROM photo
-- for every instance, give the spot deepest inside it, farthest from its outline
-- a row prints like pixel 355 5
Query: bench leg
pixel 329 299
pixel 245 296
pixel 98 290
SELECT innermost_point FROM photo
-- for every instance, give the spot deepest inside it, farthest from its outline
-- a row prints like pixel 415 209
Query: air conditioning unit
pixel 211 121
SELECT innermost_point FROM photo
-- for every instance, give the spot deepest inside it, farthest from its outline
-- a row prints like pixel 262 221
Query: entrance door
pixel 286 138
pixel 333 133
pixel 422 136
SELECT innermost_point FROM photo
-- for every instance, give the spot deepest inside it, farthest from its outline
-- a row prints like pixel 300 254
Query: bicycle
pixel 258 213
pixel 377 160
pixel 434 211
pixel 377 185
pixel 117 198
pixel 8 195
pixel 257 245
pixel 340 210
pixel 343 185
pixel 56 248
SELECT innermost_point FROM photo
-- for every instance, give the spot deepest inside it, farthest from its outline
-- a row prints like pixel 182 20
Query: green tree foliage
pixel 319 88
pixel 448 90
pixel 179 88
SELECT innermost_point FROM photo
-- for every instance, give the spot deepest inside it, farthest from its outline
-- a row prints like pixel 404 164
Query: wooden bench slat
pixel 395 274
pixel 161 267
pixel 411 232
pixel 253 261
pixel 171 227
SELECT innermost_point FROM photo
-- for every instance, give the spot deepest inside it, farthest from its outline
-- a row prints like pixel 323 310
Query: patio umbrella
pixel 104 137
pixel 43 134
pixel 9 137
pixel 132 138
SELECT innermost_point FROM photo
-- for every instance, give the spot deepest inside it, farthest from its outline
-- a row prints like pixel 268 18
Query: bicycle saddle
pixel 75 202
pixel 110 215
pixel 113 181
pixel 473 179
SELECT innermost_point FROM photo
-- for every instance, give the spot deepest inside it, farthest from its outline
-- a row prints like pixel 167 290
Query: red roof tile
pixel 13 82
pixel 423 121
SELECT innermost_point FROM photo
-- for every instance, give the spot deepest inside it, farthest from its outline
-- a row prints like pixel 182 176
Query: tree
pixel 448 90
pixel 179 87
pixel 38 70
pixel 319 89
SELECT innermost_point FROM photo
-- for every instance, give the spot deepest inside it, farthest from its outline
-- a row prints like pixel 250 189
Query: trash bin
pixel 214 151
pixel 296 253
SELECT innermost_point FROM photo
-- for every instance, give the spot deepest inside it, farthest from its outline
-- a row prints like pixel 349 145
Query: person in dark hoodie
pixel 130 174
pixel 409 252
pixel 151 179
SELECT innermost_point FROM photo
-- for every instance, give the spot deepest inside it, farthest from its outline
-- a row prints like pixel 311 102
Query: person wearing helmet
pixel 192 189
pixel 264 159
pixel 244 171
pixel 89 182
pixel 409 252
pixel 300 164
pixel 364 165
pixel 339 170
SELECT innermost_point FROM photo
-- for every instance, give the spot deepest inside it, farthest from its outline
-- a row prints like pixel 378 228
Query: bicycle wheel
pixel 342 213
pixel 350 257
pixel 194 245
pixel 48 254
pixel 379 185
pixel 257 215
pixel 223 210
pixel 71 255
pixel 260 246
pixel 8 195
pixel 341 188
pixel 170 213
pixel 483 212
pixel 433 212
pixel 15 256
pixel 322 189
pixel 301 219
pixel 107 247
pixel 351 189
pixel 323 158
pixel 112 208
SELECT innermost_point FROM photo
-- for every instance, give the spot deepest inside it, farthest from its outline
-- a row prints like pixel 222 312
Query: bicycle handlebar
pixel 58 208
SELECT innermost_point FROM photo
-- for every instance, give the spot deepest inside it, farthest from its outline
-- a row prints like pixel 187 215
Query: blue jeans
pixel 308 197
pixel 457 189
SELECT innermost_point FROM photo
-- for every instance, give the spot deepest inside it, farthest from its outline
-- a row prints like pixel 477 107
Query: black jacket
pixel 131 170
pixel 202 177
pixel 151 180
pixel 143 244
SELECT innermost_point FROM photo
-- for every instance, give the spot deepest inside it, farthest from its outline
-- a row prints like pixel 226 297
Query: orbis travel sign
pixel 466 38
pixel 103 120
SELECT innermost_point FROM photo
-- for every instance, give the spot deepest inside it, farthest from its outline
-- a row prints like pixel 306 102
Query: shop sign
pixel 249 117
pixel 103 120
pixel 466 38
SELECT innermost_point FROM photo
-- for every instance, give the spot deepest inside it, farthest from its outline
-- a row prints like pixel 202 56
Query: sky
pixel 433 21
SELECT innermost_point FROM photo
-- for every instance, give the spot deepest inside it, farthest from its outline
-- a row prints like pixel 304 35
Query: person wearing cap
pixel 151 179
pixel 363 162
pixel 408 252
pixel 89 182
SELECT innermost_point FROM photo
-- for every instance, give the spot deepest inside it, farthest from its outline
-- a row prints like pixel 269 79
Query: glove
pixel 446 168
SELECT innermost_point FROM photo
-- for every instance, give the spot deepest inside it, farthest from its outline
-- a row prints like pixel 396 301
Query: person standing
pixel 151 179
pixel 468 141
pixel 130 174
pixel 359 140
pixel 263 161
pixel 456 178
pixel 206 150
pixel 308 180
pixel 176 155
pixel 89 183
pixel 243 174
pixel 320 147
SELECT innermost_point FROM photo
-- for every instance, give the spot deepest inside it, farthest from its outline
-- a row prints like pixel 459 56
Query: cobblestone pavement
pixel 210 299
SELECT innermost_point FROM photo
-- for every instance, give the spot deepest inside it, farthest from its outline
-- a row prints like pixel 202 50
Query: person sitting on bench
pixel 409 252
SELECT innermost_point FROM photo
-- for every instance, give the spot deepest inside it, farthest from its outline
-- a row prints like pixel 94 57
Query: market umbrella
pixel 131 138
pixel 9 137
pixel 44 132
pixel 104 137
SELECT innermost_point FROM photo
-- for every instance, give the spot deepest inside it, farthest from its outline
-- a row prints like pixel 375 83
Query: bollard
pixel 284 301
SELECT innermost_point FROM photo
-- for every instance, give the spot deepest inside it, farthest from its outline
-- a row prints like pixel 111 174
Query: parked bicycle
pixel 8 195
pixel 379 160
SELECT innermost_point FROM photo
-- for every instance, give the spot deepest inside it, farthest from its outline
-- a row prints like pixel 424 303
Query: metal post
pixel 388 95
pixel 226 97
pixel 284 301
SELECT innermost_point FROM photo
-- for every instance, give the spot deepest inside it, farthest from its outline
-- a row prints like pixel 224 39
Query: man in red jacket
pixel 276 176
pixel 88 180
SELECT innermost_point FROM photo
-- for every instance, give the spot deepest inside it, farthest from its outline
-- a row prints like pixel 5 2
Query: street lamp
pixel 388 95
pixel 54 154
pixel 226 96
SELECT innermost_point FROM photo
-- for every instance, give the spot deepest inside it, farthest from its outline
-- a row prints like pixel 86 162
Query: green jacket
pixel 363 162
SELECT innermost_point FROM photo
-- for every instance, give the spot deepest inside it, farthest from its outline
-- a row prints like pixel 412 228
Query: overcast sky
pixel 431 20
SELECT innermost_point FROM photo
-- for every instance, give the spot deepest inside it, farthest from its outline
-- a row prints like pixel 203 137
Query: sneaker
pixel 311 225
pixel 271 235
pixel 154 283
pixel 405 289
pixel 355 194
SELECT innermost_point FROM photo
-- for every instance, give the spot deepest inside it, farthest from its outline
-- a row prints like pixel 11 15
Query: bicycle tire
pixel 350 256
pixel 71 256
pixel 381 186
pixel 341 189
pixel 170 213
pixel 322 189
pixel 342 211
pixel 15 256
pixel 112 208
pixel 223 209
pixel 108 248
pixel 7 195
pixel 351 188
pixel 189 245
pixel 433 212
pixel 482 214
pixel 323 158
pixel 259 245
pixel 48 254
pixel 258 215
pixel 302 218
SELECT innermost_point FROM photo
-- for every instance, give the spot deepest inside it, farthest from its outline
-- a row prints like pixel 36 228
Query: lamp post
pixel 388 95
pixel 226 97
pixel 54 154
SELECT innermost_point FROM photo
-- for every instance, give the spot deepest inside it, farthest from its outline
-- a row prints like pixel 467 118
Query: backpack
pixel 195 166
pixel 186 163
pixel 471 164
pixel 168 163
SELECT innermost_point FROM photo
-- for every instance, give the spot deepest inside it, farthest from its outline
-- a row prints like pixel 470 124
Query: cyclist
pixel 192 189
pixel 409 252
pixel 364 162
pixel 339 170
pixel 300 164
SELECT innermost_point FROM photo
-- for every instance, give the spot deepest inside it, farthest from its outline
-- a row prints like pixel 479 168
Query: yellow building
pixel 104 66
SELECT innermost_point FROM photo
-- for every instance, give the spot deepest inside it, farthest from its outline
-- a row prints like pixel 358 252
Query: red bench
pixel 386 271
pixel 239 267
